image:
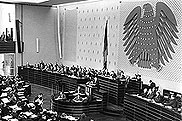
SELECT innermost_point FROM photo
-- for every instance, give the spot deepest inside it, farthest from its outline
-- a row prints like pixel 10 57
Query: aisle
pixel 36 89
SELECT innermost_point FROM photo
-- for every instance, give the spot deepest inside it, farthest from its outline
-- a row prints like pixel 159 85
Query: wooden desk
pixel 77 108
pixel 115 89
pixel 136 108
pixel 50 79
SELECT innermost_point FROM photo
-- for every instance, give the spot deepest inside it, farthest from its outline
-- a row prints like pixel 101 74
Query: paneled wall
pixel 41 23
pixel 91 18
pixel 91 23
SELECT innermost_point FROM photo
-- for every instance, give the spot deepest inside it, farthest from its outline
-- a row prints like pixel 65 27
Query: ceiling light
pixel 24 1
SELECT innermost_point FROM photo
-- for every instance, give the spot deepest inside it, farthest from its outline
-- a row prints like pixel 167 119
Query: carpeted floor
pixel 36 89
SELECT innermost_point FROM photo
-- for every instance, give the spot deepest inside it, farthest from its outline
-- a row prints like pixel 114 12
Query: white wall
pixel 7 10
pixel 41 23
pixel 91 19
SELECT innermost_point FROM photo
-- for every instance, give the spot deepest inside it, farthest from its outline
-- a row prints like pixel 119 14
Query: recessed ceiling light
pixel 24 1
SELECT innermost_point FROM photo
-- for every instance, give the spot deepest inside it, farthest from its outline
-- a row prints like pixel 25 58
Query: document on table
pixel 5 100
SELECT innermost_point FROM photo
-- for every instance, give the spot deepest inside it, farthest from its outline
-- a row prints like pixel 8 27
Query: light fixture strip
pixel 24 1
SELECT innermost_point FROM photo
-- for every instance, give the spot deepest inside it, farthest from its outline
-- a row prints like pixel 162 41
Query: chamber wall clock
pixel 148 39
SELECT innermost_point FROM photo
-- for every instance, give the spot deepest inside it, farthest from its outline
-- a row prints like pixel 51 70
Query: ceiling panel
pixel 47 3
pixel 57 2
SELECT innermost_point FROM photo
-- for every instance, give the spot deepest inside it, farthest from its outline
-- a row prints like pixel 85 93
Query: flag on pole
pixel 105 50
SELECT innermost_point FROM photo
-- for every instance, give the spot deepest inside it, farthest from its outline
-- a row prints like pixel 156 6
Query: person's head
pixel 40 95
pixel 44 116
pixel 150 81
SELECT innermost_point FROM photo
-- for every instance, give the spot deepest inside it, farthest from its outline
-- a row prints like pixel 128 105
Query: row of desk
pixel 138 109
pixel 49 79
pixel 115 89
pixel 112 91
pixel 68 83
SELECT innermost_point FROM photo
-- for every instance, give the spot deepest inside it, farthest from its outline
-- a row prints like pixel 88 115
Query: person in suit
pixel 38 102
pixel 152 84
pixel 4 110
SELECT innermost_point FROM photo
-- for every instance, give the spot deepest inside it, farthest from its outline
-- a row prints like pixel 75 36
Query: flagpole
pixel 105 50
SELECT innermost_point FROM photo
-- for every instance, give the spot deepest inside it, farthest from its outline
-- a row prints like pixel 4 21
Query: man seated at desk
pixel 172 102
pixel 78 96
pixel 38 102
pixel 12 98
pixel 5 110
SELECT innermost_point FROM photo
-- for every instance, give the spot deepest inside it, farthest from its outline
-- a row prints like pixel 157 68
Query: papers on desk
pixel 22 89
pixel 21 82
pixel 7 117
pixel 13 119
pixel 71 118
pixel 22 97
pixel 15 107
pixel 7 89
pixel 25 86
pixel 33 116
pixel 98 99
pixel 71 91
pixel 28 113
pixel 5 100
pixel 4 95
pixel 31 104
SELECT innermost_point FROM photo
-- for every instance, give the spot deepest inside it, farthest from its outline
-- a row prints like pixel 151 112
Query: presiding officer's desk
pixel 137 108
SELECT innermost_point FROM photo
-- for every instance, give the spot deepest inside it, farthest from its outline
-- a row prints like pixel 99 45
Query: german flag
pixel 105 50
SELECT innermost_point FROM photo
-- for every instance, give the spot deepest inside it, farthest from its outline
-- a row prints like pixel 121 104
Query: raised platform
pixel 50 79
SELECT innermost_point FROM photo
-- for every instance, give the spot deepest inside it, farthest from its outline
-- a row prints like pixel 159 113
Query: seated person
pixel 173 102
pixel 158 98
pixel 152 84
pixel 5 110
pixel 107 74
pixel 152 92
pixel 12 98
pixel 25 107
pixel 43 118
pixel 138 77
pixel 120 74
pixel 38 101
pixel 113 74
pixel 148 90
pixel 78 98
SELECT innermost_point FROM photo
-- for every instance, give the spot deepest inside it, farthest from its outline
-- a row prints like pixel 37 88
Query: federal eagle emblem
pixel 148 40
